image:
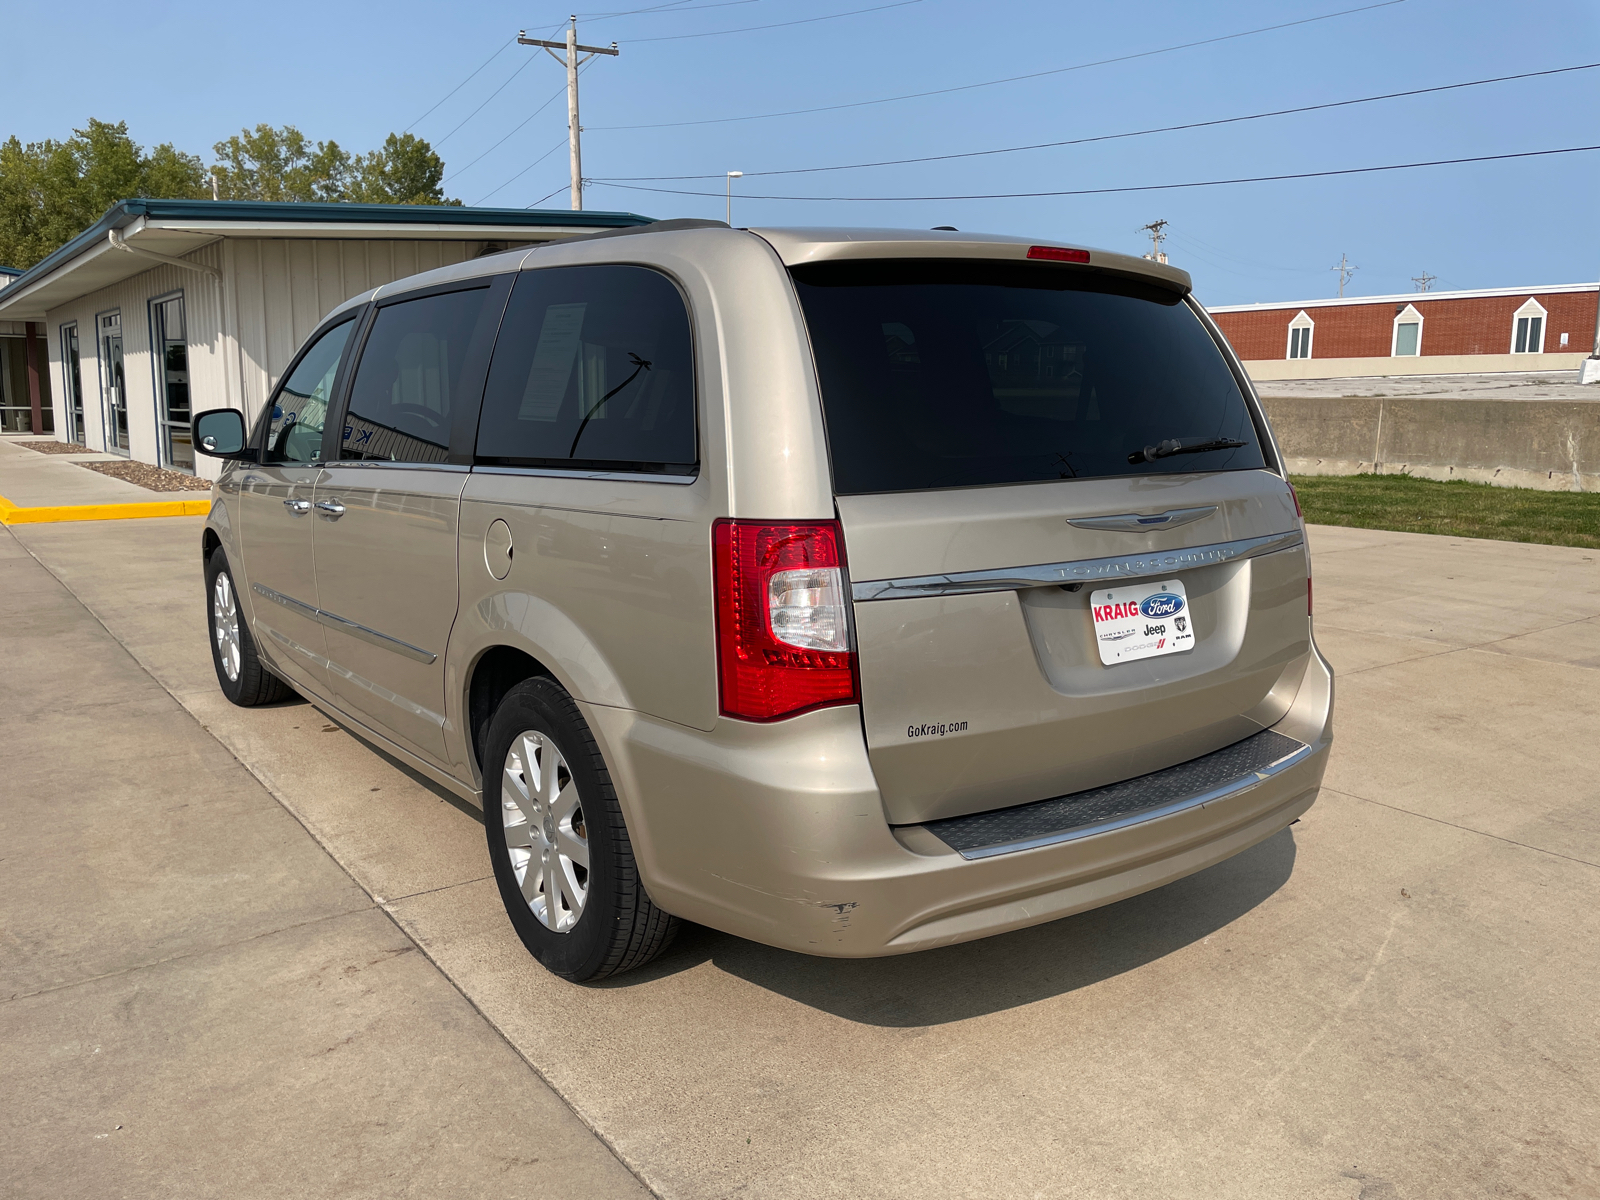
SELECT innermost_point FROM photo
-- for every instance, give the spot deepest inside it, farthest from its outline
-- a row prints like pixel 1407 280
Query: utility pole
pixel 732 175
pixel 1346 269
pixel 572 62
pixel 1156 238
pixel 1423 281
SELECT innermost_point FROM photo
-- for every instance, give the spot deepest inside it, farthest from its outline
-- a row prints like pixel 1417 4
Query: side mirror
pixel 220 433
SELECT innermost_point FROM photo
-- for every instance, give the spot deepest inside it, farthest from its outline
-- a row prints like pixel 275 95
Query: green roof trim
pixel 126 212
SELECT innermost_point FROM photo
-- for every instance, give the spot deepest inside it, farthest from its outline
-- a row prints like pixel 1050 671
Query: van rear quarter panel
pixel 611 585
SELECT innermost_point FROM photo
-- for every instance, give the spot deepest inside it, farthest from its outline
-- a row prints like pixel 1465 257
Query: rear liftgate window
pixel 594 369
pixel 942 374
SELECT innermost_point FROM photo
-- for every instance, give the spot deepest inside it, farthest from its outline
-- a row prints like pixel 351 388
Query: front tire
pixel 558 844
pixel 240 673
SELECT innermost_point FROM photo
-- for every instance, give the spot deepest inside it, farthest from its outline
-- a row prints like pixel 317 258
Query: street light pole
pixel 732 175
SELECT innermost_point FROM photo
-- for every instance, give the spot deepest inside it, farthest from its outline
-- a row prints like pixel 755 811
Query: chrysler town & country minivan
pixel 854 591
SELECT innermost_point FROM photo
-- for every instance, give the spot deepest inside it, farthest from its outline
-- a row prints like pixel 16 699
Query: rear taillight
pixel 1295 496
pixel 783 634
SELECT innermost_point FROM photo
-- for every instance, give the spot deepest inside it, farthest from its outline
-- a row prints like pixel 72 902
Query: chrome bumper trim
pixel 1087 570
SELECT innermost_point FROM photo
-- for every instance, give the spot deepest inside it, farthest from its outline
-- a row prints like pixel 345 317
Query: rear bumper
pixel 777 833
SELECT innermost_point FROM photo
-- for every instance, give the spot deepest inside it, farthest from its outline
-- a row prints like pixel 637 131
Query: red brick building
pixel 1422 333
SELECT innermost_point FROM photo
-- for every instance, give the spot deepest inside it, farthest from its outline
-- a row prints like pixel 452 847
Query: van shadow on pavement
pixel 953 983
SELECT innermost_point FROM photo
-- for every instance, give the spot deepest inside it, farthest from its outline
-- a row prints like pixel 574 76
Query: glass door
pixel 113 383
pixel 172 371
pixel 74 373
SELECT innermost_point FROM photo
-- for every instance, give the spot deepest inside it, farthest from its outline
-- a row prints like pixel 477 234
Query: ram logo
pixel 1162 604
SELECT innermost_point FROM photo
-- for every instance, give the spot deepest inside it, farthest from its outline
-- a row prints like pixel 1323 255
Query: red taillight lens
pixel 1295 496
pixel 1057 254
pixel 783 640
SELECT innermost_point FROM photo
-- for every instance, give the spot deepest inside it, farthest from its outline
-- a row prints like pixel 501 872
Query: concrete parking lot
pixel 243 953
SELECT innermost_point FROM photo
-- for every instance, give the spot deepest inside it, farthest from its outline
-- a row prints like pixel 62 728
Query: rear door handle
pixel 298 507
pixel 331 508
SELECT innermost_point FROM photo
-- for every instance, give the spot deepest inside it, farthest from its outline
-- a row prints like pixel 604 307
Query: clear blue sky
pixel 192 74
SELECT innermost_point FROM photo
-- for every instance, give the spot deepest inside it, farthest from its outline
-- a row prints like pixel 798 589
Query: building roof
pixel 176 227
pixel 1402 298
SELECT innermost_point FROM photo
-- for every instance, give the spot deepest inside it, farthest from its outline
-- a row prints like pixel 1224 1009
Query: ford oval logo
pixel 1162 604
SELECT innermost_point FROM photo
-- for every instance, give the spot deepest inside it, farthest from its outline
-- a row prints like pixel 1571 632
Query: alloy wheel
pixel 225 626
pixel 545 832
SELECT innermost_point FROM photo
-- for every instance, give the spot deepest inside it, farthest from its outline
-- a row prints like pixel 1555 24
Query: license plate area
pixel 1141 620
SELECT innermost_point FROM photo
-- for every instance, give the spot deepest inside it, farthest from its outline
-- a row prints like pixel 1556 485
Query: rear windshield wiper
pixel 1173 446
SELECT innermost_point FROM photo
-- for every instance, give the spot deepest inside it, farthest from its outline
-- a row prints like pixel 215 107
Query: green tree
pixel 283 164
pixel 405 171
pixel 51 191
pixel 279 164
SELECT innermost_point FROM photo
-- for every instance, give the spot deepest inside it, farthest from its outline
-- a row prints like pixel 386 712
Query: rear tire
pixel 243 678
pixel 558 843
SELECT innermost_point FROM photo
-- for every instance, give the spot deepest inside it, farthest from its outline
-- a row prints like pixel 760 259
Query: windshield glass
pixel 944 373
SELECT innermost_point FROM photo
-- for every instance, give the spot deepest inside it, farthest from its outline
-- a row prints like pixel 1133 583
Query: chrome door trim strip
pixel 1134 522
pixel 1227 790
pixel 1087 570
pixel 344 625
pixel 578 473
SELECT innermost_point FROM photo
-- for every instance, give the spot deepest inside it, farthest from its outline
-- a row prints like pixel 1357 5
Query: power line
pixel 460 85
pixel 1110 137
pixel 678 37
pixel 546 196
pixel 524 171
pixel 554 96
pixel 677 6
pixel 480 107
pixel 1149 187
pixel 967 87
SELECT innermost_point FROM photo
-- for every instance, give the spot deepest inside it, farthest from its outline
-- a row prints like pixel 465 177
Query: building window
pixel 1407 333
pixel 1527 328
pixel 72 372
pixel 171 346
pixel 1300 330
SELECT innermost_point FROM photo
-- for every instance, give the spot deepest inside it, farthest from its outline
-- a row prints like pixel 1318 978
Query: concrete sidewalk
pixel 1398 997
pixel 197 999
pixel 32 480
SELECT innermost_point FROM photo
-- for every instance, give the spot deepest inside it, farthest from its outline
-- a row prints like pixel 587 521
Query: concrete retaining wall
pixel 1549 444
pixel 1433 364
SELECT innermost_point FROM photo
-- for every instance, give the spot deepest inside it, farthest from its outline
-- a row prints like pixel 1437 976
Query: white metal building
pixel 165 308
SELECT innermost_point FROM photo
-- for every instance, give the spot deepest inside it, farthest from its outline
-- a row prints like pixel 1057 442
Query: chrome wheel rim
pixel 545 832
pixel 225 626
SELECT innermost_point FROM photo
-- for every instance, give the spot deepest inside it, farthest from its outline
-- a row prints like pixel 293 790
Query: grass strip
pixel 1456 508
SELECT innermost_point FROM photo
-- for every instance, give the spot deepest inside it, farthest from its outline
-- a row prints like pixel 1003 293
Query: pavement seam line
pixel 430 891
pixel 1510 637
pixel 1583 862
pixel 187 954
pixel 583 1119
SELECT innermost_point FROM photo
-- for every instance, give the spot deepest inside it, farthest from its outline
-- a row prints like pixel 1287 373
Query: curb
pixel 11 514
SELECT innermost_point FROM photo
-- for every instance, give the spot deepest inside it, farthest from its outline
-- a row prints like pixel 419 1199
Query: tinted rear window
pixel 941 374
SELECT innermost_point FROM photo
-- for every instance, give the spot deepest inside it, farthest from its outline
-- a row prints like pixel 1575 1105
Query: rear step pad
pixel 1081 814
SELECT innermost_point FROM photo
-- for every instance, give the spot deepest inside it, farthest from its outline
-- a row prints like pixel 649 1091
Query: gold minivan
pixel 852 590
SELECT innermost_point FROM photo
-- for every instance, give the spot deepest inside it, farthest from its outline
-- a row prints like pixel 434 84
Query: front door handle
pixel 298 507
pixel 332 509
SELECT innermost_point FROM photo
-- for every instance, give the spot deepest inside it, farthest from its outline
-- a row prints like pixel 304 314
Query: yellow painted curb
pixel 11 514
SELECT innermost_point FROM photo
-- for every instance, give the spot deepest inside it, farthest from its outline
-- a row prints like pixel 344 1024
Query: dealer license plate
pixel 1141 621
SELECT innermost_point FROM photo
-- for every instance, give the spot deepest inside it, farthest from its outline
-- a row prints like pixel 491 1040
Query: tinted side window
pixel 409 378
pixel 594 368
pixel 299 410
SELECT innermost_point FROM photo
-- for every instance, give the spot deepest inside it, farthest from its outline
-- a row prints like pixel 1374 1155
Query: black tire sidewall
pixel 541 705
pixel 233 689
